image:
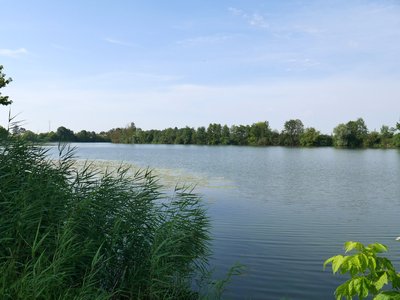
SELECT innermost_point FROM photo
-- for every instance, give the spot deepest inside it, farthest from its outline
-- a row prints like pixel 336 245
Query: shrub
pixel 68 233
pixel 369 272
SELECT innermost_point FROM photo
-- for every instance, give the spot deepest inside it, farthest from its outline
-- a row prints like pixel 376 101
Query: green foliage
pixel 240 134
pixel 396 140
pixel 214 133
pixel 225 135
pixel 3 133
pixel 68 233
pixel 201 136
pixel 368 271
pixel 291 133
pixel 260 134
pixel 340 133
pixel 351 134
pixel 373 140
pixel 309 138
pixel 4 100
pixel 324 140
pixel 185 136
pixel 65 134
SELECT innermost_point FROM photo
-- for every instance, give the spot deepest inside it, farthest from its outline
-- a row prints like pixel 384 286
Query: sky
pixel 97 65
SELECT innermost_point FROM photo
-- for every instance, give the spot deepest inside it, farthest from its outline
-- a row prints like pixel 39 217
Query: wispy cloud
pixel 253 19
pixel 237 12
pixel 258 20
pixel 118 42
pixel 13 53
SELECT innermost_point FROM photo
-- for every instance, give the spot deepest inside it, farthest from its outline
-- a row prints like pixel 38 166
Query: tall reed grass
pixel 68 233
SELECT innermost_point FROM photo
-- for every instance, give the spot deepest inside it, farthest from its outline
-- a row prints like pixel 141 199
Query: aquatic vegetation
pixel 81 233
pixel 167 177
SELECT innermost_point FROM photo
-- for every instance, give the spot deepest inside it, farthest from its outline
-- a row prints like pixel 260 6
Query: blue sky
pixel 97 65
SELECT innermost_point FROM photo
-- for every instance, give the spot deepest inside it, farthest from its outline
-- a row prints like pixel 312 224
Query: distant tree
pixel 275 138
pixel 214 132
pixel 129 133
pixel 157 136
pixel 225 135
pixel 260 134
pixel 396 140
pixel 83 136
pixel 240 134
pixel 29 136
pixel 4 100
pixel 115 135
pixel 351 134
pixel 168 136
pixel 48 137
pixel 340 136
pixel 387 132
pixel 201 136
pixel 358 132
pixel 309 138
pixel 184 136
pixel 65 134
pixel 291 133
pixel 396 137
pixel 386 136
pixel 373 140
pixel 139 136
pixel 324 140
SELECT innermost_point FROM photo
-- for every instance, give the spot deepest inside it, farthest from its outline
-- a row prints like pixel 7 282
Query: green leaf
pixel 394 278
pixel 377 248
pixel 363 260
pixel 372 263
pixel 388 295
pixel 350 245
pixel 381 281
pixel 357 286
pixel 384 263
pixel 328 261
pixel 336 262
pixel 342 290
pixel 355 265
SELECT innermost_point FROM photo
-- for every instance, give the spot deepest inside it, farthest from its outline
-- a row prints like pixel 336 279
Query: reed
pixel 68 233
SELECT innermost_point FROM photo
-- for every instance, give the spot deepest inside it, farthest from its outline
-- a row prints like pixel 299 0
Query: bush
pixel 79 234
pixel 368 271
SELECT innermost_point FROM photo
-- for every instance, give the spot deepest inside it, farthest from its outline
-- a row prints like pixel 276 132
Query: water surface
pixel 282 211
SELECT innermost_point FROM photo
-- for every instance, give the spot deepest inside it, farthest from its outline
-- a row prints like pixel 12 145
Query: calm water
pixel 280 211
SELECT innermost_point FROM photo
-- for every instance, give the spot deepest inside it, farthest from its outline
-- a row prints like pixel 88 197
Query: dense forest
pixel 353 134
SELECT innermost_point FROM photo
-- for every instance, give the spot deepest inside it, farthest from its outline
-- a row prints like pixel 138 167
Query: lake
pixel 281 211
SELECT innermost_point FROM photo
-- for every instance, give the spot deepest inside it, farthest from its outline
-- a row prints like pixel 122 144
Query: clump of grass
pixel 68 233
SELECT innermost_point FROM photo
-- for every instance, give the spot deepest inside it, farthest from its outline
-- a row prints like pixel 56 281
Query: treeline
pixel 61 135
pixel 353 134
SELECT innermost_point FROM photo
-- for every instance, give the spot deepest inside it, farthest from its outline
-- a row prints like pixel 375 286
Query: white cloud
pixel 255 19
pixel 258 20
pixel 236 11
pixel 13 53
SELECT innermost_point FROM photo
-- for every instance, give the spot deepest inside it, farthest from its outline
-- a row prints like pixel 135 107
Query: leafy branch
pixel 369 272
